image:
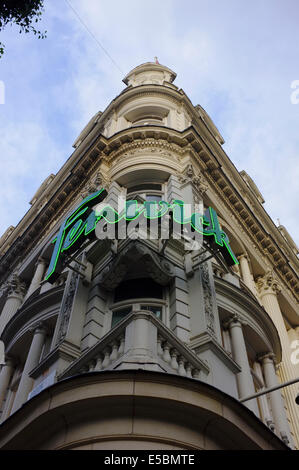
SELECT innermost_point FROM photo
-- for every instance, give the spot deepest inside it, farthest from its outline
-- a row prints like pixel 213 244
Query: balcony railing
pixel 140 341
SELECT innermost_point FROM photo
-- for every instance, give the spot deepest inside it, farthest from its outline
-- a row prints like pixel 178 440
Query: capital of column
pixel 267 284
pixel 9 361
pixel 39 328
pixel 242 256
pixel 40 260
pixel 233 320
pixel 266 357
pixel 16 286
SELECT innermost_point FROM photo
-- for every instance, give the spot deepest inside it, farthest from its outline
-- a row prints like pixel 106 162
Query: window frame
pixel 136 303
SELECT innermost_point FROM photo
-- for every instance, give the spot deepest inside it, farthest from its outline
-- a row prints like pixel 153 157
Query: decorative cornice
pixel 155 140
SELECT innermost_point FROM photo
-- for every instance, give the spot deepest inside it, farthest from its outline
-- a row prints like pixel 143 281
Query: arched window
pixel 137 294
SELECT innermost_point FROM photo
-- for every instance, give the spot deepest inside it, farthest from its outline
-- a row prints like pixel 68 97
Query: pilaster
pixel 16 290
pixel 269 289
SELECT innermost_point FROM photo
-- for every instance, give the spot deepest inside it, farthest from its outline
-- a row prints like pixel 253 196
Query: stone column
pixel 16 290
pixel 244 378
pixel 37 277
pixel 246 274
pixel 263 398
pixel 269 288
pixel 32 361
pixel 5 376
pixel 278 411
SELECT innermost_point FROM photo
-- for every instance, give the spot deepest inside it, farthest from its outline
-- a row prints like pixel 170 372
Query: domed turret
pixel 149 73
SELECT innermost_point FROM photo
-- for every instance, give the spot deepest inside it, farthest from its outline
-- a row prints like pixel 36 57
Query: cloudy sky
pixel 236 58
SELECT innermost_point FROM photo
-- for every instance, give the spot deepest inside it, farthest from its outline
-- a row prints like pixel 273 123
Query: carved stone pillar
pixel 246 274
pixel 263 398
pixel 269 288
pixel 278 412
pixel 244 378
pixel 16 289
pixel 5 376
pixel 32 361
pixel 37 277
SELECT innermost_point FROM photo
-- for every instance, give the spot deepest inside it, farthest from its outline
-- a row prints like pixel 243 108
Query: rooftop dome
pixel 149 73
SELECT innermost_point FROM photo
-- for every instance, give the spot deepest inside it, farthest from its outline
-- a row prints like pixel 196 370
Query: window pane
pixel 145 186
pixel 153 197
pixel 154 309
pixel 119 315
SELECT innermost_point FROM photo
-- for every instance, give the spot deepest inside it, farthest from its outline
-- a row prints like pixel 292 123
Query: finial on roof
pixel 156 60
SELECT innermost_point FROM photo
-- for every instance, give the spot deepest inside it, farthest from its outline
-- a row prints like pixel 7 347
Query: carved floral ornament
pixel 16 286
pixel 189 176
pixel 98 181
pixel 160 147
pixel 267 284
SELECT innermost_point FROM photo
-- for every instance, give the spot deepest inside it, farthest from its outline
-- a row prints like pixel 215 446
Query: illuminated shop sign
pixel 81 224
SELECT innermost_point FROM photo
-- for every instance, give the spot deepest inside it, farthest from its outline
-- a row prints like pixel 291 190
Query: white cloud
pixel 237 62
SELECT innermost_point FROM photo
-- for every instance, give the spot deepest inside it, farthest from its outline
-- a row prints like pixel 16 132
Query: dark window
pixel 155 310
pixel 137 289
pixel 145 187
pixel 119 315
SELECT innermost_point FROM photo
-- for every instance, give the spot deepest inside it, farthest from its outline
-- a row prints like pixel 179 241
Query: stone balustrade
pixel 177 360
pixel 140 341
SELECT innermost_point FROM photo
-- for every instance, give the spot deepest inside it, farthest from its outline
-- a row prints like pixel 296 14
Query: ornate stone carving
pixel 267 284
pixel 98 182
pixel 234 318
pixel 153 145
pixel 158 269
pixel 208 298
pixel 200 183
pixel 67 305
pixel 16 286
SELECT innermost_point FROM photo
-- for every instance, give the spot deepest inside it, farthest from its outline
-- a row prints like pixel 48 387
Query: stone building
pixel 140 342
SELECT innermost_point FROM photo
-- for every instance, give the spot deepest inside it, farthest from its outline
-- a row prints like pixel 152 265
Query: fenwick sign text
pixel 81 225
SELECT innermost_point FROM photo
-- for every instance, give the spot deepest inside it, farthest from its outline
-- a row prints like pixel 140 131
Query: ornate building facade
pixel 138 342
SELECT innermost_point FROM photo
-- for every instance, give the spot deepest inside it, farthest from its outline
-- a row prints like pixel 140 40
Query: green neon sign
pixel 81 224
